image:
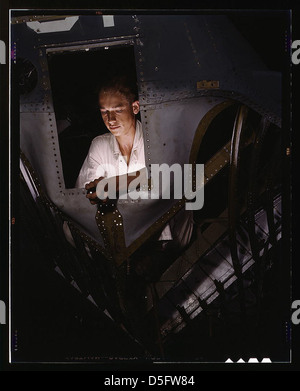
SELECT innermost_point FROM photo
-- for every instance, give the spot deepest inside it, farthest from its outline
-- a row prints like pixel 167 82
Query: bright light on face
pixel 117 112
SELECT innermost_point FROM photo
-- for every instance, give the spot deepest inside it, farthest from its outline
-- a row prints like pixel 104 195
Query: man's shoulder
pixel 103 139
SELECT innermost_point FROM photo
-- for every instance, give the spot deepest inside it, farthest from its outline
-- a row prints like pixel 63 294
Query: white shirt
pixel 105 159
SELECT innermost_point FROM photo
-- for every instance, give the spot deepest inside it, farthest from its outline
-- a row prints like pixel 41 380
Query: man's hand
pixel 91 191
pixel 121 185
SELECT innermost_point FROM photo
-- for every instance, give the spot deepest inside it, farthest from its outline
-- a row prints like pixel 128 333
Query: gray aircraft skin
pixel 191 70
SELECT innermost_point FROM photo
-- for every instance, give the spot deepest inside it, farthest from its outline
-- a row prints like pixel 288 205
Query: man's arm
pixel 92 166
pixel 121 184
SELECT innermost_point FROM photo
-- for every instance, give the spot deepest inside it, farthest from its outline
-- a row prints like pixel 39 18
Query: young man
pixel 122 151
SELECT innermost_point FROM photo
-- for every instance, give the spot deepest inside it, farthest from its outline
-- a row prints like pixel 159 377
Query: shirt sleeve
pixel 91 169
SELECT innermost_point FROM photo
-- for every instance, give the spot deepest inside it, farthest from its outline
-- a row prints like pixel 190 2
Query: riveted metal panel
pixel 176 57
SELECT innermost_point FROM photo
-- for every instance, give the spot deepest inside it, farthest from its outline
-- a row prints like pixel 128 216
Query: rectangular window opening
pixel 75 77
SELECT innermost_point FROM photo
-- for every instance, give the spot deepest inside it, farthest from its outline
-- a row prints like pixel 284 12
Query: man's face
pixel 117 112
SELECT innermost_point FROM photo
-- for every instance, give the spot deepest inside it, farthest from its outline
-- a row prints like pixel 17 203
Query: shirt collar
pixel 138 137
